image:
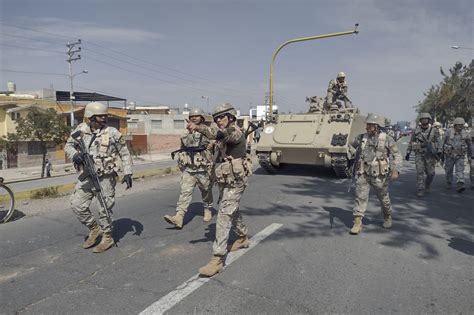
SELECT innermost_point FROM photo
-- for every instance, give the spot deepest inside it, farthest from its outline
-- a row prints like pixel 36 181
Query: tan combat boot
pixel 357 227
pixel 106 242
pixel 94 234
pixel 241 242
pixel 387 221
pixel 176 220
pixel 460 187
pixel 207 215
pixel 420 193
pixel 215 265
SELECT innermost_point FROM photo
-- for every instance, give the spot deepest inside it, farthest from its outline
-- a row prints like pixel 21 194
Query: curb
pixel 63 189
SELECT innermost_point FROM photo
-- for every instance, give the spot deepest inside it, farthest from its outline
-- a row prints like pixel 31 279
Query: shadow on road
pixel 123 226
pixel 462 245
pixel 417 221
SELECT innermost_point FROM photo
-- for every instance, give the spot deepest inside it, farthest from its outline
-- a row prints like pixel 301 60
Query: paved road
pixel 424 264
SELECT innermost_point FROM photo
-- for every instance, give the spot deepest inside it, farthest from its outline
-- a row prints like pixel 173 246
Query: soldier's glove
pixel 407 156
pixel 77 159
pixel 127 179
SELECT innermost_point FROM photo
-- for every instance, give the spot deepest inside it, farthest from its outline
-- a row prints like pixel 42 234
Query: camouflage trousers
pixel 454 163
pixel 362 188
pixel 82 197
pixel 188 181
pixel 425 170
pixel 229 216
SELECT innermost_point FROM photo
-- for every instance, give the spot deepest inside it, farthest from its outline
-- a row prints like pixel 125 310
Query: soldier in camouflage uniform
pixel 231 171
pixel 379 160
pixel 195 161
pixel 426 143
pixel 337 90
pixel 110 153
pixel 457 143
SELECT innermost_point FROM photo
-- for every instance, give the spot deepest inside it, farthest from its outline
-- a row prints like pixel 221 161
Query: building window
pixel 132 124
pixel 15 116
pixel 156 124
pixel 34 147
pixel 178 124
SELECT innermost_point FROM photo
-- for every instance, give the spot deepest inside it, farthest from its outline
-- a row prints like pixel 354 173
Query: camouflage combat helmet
pixel 225 108
pixel 341 75
pixel 95 108
pixel 459 121
pixel 196 112
pixel 375 119
pixel 423 116
pixel 437 124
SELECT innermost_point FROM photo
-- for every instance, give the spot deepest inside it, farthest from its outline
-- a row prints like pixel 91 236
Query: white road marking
pixel 193 283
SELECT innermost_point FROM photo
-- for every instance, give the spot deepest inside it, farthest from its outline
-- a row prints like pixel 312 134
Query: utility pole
pixel 70 59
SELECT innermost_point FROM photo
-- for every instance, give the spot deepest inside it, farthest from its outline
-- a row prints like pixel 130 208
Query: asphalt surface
pixel 310 265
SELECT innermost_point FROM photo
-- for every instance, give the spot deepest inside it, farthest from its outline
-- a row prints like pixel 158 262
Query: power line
pixel 32 48
pixel 158 79
pixel 134 58
pixel 33 72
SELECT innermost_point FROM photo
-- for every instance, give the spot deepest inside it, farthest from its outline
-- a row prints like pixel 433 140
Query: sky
pixel 176 52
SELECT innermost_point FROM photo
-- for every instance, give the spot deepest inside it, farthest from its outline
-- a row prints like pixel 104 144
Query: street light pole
pixel 270 96
pixel 206 97
pixel 460 47
pixel 70 59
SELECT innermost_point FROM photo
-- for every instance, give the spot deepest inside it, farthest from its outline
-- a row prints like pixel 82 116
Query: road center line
pixel 193 283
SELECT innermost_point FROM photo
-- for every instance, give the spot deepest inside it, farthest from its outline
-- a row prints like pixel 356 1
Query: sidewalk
pixel 13 175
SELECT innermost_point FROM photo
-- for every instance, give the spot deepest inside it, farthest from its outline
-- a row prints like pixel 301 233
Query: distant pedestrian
pixel 48 166
pixel 257 135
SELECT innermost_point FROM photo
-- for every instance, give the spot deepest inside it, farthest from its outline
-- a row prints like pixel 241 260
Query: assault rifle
pixel 90 172
pixel 429 146
pixel 250 129
pixel 354 166
pixel 190 150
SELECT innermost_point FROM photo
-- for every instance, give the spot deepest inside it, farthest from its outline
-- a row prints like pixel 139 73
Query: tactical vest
pixel 380 164
pixel 456 144
pixel 106 161
pixel 418 144
pixel 196 161
pixel 236 166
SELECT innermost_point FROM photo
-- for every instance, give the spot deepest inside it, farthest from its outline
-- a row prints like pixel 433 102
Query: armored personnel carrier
pixel 319 137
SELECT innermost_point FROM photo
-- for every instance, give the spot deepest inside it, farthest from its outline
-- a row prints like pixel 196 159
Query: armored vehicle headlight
pixel 269 129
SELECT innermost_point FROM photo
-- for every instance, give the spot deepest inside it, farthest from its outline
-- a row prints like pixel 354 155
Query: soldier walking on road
pixel 231 172
pixel 426 143
pixel 337 90
pixel 457 143
pixel 195 162
pixel 109 150
pixel 379 160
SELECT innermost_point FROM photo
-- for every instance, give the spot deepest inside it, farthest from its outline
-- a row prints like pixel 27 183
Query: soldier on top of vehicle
pixel 337 91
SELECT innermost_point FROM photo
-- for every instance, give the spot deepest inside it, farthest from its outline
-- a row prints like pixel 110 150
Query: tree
pixel 44 126
pixel 453 96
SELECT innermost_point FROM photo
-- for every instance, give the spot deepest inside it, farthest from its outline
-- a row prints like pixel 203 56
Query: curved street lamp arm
pixel 354 31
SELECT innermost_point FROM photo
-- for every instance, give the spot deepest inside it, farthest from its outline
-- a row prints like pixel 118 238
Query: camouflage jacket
pixel 420 137
pixel 230 141
pixel 379 147
pixel 337 88
pixel 107 147
pixel 457 143
pixel 194 161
